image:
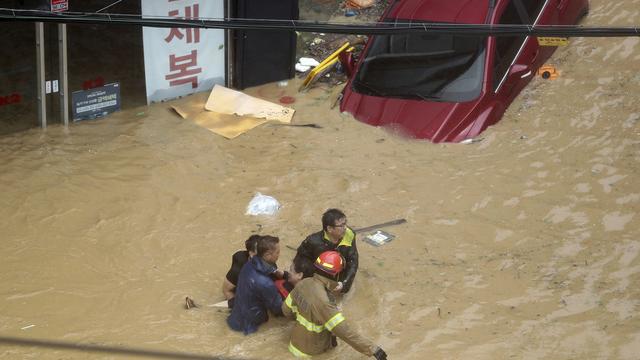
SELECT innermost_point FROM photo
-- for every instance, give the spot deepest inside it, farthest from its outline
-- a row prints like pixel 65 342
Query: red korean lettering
pixel 184 69
pixel 193 34
pixel 15 98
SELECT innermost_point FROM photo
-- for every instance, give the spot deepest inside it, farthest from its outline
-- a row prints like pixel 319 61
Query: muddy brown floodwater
pixel 525 245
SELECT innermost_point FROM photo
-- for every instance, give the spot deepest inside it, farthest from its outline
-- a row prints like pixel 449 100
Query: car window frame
pixel 357 83
pixel 522 45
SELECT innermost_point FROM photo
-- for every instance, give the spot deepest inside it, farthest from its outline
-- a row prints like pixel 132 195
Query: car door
pixel 516 57
pixel 564 12
pixel 561 8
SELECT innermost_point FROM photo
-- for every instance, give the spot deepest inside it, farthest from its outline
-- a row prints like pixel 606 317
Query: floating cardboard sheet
pixel 235 113
pixel 229 126
pixel 227 101
pixel 190 106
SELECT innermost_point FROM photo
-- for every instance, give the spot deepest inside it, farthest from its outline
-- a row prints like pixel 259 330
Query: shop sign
pixel 59 5
pixel 14 98
pixel 182 61
pixel 95 103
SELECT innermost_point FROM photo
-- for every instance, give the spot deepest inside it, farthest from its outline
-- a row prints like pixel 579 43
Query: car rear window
pixel 422 66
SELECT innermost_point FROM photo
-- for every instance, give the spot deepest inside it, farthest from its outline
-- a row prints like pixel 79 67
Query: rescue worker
pixel 318 319
pixel 335 235
pixel 238 260
pixel 256 292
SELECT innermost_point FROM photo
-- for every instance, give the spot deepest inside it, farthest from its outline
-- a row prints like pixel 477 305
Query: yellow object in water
pixel 324 66
pixel 552 41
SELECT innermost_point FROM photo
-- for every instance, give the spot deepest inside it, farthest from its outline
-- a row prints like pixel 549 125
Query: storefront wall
pixel 97 55
pixel 18 99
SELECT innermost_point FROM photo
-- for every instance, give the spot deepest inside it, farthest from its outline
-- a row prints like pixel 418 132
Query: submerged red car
pixel 450 87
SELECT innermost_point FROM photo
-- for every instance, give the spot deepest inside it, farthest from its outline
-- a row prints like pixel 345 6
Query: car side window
pixel 506 46
pixel 533 8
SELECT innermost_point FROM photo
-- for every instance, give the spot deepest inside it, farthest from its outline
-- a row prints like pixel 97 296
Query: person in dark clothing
pixel 237 262
pixel 256 292
pixel 335 235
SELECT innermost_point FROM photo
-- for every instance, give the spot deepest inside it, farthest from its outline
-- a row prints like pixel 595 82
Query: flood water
pixel 524 245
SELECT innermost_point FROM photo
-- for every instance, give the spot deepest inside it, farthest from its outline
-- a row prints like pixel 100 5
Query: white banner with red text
pixel 182 61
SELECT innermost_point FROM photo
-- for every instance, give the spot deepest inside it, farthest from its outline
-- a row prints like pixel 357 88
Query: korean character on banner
pixel 193 34
pixel 184 69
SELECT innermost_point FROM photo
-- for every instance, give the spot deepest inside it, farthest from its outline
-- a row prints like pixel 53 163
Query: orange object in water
pixel 548 72
pixel 287 100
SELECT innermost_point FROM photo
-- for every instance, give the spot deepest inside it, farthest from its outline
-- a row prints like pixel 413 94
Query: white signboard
pixel 181 61
pixel 59 5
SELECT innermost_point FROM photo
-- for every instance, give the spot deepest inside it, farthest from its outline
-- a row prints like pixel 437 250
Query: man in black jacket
pixel 335 235
pixel 238 260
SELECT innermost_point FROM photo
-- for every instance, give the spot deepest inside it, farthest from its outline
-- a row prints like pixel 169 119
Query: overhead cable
pixel 108 6
pixel 107 349
pixel 379 28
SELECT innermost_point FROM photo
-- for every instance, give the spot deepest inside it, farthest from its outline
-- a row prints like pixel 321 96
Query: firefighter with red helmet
pixel 318 319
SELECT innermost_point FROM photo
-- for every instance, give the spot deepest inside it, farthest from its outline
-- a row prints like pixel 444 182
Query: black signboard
pixel 95 103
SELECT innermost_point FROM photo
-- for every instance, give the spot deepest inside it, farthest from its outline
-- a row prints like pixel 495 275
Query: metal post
pixel 42 95
pixel 229 46
pixel 64 84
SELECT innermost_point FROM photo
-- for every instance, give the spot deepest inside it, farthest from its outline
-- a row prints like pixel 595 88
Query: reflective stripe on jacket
pixel 317 243
pixel 317 318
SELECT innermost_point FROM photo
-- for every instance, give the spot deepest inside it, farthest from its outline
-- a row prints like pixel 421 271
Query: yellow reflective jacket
pixel 317 317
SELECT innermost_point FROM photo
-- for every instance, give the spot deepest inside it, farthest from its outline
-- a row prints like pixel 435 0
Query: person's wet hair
pixel 304 266
pixel 330 217
pixel 266 243
pixel 252 243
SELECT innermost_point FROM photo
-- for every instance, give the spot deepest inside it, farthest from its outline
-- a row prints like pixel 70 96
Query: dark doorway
pixel 263 56
pixel 18 69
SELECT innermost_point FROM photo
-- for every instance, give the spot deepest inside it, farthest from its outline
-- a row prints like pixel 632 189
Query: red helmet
pixel 330 262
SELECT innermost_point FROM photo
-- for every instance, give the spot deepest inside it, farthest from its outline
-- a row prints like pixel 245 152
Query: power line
pixel 381 28
pixel 110 5
pixel 50 344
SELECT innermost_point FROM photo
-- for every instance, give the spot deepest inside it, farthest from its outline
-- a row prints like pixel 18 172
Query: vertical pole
pixel 64 84
pixel 41 92
pixel 229 45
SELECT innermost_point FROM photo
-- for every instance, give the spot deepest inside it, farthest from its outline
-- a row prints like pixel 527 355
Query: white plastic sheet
pixel 263 205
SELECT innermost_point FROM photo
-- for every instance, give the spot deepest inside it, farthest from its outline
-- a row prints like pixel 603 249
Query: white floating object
pixel 263 205
pixel 221 304
pixel 302 68
pixel 308 61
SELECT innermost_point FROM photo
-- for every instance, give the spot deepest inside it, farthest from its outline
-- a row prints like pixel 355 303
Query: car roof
pixel 449 11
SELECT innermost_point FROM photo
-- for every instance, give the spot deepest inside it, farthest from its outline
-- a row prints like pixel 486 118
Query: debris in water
pixel 471 141
pixel 188 303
